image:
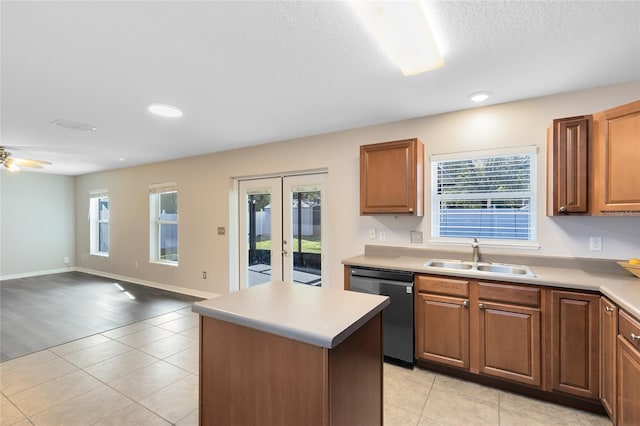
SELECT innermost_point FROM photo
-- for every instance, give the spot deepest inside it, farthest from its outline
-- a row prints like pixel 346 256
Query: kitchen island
pixel 285 354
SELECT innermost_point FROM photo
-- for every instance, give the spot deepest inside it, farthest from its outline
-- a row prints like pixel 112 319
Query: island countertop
pixel 318 316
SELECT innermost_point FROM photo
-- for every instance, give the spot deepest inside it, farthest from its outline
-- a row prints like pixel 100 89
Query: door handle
pixel 608 309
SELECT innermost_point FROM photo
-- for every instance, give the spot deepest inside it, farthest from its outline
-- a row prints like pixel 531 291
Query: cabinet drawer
pixel 507 293
pixel 451 287
pixel 629 326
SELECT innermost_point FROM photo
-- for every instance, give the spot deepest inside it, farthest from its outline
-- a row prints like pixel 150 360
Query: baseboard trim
pixel 37 273
pixel 172 288
pixel 167 287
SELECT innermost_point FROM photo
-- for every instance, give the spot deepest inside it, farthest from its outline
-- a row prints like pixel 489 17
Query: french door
pixel 282 229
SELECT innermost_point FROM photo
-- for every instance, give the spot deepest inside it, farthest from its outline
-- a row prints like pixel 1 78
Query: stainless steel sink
pixel 481 267
pixel 504 269
pixel 449 264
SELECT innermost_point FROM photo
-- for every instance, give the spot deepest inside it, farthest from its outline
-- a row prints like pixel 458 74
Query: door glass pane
pixel 306 238
pixel 259 237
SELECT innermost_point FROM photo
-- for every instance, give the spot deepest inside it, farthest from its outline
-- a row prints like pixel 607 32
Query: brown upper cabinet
pixel 616 161
pixel 568 166
pixel 392 178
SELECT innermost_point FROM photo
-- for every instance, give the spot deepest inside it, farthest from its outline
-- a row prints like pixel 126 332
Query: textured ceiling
pixel 248 73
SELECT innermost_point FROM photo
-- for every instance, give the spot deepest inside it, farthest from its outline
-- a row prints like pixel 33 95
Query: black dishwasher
pixel 397 318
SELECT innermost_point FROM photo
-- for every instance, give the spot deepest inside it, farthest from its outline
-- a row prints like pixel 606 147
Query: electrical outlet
pixel 65 260
pixel 416 236
pixel 204 275
pixel 372 233
pixel 595 243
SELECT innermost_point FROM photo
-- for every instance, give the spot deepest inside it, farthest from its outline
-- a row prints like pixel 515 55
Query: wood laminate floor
pixel 45 311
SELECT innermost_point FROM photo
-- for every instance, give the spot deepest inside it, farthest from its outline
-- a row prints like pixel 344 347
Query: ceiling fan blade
pixel 28 162
pixel 13 165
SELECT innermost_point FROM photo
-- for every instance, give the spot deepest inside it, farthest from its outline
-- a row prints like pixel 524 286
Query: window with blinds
pixel 163 204
pixel 99 222
pixel 484 194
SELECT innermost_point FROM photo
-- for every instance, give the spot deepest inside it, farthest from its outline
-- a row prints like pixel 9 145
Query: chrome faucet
pixel 476 250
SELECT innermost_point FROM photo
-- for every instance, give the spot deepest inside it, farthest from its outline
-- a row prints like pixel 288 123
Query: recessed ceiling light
pixel 164 110
pixel 479 96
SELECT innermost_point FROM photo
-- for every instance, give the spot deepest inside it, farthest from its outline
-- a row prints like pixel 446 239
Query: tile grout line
pixel 83 369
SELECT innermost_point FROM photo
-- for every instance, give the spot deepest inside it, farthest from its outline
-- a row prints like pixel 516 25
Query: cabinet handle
pixel 562 209
pixel 635 337
pixel 411 210
pixel 608 309
pixel 481 305
pixel 465 303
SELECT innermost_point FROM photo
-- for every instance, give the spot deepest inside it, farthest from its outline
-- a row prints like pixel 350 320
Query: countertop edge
pixel 621 289
pixel 298 334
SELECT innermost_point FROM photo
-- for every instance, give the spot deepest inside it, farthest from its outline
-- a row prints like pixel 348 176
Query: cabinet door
pixel 616 156
pixel 510 342
pixel 391 178
pixel 608 333
pixel 442 329
pixel 574 343
pixel 568 166
pixel 628 383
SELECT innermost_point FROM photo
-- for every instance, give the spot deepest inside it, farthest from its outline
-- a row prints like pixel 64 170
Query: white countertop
pixel 623 289
pixel 314 315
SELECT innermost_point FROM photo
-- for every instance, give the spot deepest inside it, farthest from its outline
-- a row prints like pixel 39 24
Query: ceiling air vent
pixel 74 125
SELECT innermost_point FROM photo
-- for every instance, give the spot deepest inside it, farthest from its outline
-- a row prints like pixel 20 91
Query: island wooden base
pixel 249 377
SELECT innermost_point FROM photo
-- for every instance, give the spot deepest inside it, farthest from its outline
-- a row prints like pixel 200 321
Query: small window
pixel 486 194
pixel 99 223
pixel 163 243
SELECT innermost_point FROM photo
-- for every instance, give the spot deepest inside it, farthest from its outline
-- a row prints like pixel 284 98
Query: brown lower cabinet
pixel 571 345
pixel 628 370
pixel 442 311
pixel 608 333
pixel 509 342
pixel 575 330
pixel 502 319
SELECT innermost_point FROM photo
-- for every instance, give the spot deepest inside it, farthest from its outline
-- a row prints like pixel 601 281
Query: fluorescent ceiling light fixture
pixel 402 31
pixel 479 96
pixel 74 125
pixel 164 110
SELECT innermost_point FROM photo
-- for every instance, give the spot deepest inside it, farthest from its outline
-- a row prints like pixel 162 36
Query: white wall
pixel 205 182
pixel 37 223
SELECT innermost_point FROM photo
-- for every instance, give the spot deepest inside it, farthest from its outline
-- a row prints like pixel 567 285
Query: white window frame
pixel 95 221
pixel 531 241
pixel 155 193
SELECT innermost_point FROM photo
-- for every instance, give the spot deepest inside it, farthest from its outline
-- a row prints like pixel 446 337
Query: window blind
pixel 484 194
pixel 158 188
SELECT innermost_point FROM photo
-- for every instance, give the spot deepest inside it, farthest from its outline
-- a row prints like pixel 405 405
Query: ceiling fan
pixel 13 164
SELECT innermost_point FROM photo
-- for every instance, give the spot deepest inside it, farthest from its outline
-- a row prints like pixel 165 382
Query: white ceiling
pixel 248 73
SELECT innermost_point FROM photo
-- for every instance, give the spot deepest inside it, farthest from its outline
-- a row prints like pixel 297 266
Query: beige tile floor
pixel 147 374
